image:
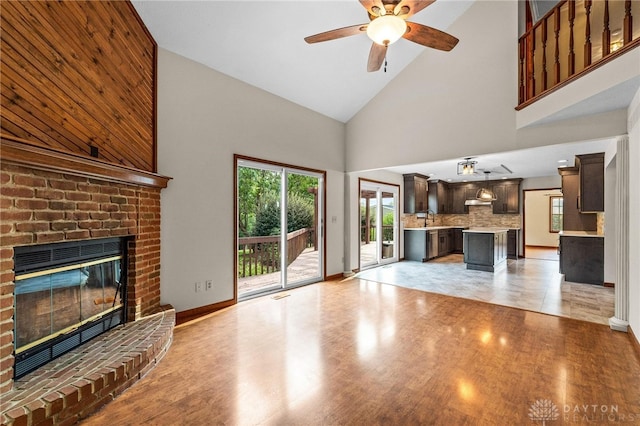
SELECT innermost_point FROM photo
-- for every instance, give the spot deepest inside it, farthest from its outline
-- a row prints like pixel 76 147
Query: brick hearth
pixel 81 381
pixel 44 205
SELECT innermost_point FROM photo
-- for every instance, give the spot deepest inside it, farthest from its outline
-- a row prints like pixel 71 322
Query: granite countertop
pixel 487 230
pixel 580 234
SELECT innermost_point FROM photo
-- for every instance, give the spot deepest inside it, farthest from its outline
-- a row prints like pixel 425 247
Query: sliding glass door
pixel 279 227
pixel 378 223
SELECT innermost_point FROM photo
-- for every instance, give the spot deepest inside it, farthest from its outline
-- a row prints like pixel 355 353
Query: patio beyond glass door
pixel 280 224
pixel 378 223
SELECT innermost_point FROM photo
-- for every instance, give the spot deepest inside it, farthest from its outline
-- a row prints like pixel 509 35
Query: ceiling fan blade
pixel 374 7
pixel 408 8
pixel 429 37
pixel 376 57
pixel 337 33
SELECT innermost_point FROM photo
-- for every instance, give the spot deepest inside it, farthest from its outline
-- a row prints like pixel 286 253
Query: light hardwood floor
pixel 362 352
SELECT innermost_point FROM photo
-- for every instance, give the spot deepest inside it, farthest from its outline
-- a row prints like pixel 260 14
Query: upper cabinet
pixel 415 193
pixel 572 218
pixel 507 197
pixel 439 197
pixel 458 194
pixel 591 190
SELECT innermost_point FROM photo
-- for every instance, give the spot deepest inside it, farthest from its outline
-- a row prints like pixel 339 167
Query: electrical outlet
pixel 208 285
pixel 198 286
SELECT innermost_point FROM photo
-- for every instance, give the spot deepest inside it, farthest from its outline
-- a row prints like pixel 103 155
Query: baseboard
pixel 634 341
pixel 335 277
pixel 541 247
pixel 195 313
pixel 611 285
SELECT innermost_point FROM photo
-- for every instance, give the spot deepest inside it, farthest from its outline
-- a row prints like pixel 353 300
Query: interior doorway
pixel 542 223
pixel 379 223
pixel 280 227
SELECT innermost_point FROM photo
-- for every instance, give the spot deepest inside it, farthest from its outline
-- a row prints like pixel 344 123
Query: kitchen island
pixel 485 249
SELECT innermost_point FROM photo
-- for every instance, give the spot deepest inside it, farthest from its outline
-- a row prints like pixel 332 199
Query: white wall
pixel 634 217
pixel 536 216
pixel 445 104
pixel 204 118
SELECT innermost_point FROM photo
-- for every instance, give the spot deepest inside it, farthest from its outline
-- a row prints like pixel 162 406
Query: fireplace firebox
pixel 66 294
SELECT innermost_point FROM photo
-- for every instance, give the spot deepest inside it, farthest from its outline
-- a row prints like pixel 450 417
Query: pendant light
pixel 486 194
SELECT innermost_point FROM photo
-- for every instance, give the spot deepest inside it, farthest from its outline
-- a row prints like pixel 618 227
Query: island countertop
pixel 486 230
pixel 580 234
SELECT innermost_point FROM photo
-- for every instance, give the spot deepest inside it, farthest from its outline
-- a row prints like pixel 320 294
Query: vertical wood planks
pixel 77 75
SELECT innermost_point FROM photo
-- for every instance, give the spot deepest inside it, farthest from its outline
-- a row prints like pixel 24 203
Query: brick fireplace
pixel 45 204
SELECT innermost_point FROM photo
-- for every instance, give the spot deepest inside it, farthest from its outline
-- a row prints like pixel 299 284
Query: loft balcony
pixel 572 39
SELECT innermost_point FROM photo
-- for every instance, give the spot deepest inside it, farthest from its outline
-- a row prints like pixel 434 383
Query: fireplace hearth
pixel 65 295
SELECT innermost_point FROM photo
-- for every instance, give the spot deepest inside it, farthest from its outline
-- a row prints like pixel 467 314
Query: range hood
pixel 476 202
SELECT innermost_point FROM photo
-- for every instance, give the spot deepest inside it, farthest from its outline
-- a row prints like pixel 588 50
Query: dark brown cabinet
pixel 582 259
pixel 457 240
pixel 458 194
pixel 572 218
pixel 513 243
pixel 415 193
pixel 443 242
pixel 591 190
pixel 507 197
pixel 438 197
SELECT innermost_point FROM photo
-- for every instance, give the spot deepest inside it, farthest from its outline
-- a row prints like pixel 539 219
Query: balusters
pixel 587 33
pixel 521 84
pixel 628 23
pixel 556 30
pixel 572 56
pixel 544 55
pixel 531 47
pixel 606 32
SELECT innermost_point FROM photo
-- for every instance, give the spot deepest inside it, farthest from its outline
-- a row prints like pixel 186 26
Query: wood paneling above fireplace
pixel 77 76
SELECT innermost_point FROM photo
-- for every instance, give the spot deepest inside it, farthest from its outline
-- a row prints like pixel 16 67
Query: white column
pixel 620 321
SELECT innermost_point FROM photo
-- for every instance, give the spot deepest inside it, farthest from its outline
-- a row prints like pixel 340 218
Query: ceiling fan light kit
pixel 388 24
pixel 386 29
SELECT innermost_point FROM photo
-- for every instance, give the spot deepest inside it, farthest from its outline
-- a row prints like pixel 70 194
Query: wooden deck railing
pixel 367 237
pixel 261 255
pixel 573 38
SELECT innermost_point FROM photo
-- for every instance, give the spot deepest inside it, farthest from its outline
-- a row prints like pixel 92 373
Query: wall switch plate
pixel 208 285
pixel 198 287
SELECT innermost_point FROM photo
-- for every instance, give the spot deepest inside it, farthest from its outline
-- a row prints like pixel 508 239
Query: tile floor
pixel 531 284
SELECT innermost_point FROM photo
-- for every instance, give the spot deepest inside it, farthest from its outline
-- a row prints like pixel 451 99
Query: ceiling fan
pixel 389 23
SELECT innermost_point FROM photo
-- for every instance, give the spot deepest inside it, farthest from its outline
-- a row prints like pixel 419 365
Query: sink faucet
pixel 433 217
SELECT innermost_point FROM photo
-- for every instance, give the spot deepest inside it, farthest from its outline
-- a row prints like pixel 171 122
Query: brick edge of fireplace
pixel 82 381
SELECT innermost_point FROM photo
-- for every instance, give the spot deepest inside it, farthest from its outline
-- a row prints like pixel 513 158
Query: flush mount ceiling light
pixel 386 29
pixel 485 194
pixel 467 167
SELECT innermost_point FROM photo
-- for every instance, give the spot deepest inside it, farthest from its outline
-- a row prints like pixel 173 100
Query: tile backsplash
pixel 479 216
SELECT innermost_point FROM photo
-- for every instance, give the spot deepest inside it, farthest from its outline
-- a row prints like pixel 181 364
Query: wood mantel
pixel 21 152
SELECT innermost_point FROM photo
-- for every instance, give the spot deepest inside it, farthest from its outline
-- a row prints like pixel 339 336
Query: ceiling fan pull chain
pixel 385 64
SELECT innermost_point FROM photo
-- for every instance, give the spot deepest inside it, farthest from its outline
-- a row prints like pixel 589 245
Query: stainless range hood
pixel 476 202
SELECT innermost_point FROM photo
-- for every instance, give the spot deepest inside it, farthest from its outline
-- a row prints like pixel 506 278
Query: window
pixel 555 214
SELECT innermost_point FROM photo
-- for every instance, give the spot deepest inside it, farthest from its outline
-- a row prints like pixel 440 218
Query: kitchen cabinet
pixel 458 194
pixel 443 242
pixel 591 189
pixel 457 240
pixel 572 218
pixel 415 193
pixel 507 197
pixel 416 245
pixel 438 197
pixel 485 250
pixel 513 243
pixel 582 258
